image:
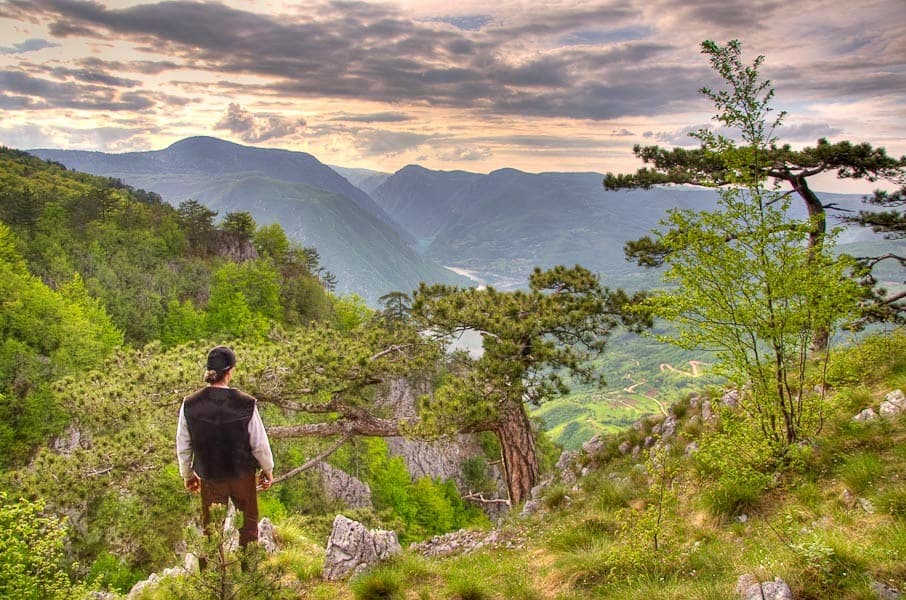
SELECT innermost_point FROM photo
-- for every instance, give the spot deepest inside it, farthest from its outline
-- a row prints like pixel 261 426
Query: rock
pixel 748 588
pixel 352 548
pixel 742 518
pixel 636 451
pixel 567 457
pixel 340 485
pixel 848 498
pixel 707 415
pixel 730 399
pixel 141 586
pixel 102 596
pixel 691 448
pixel 694 400
pixel 625 447
pixel 594 445
pixel 894 404
pixel 649 442
pixel 267 536
pixel 668 428
pixel 656 430
pixel 638 425
pixel 68 441
pixel 443 458
pixel 866 415
pixel 465 541
pixel 538 490
pixel 866 505
pixel 530 508
pixel 884 591
pixel 694 420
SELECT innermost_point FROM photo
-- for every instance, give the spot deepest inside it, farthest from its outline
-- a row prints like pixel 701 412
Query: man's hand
pixel 265 480
pixel 193 484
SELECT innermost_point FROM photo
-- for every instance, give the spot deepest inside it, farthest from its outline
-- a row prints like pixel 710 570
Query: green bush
pixel 32 558
pixel 110 572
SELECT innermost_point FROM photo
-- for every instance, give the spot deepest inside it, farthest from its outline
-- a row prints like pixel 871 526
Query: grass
pixel 600 544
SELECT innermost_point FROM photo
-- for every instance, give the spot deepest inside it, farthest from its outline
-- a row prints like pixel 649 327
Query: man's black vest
pixel 218 421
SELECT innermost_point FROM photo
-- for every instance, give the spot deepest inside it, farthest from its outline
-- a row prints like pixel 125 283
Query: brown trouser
pixel 241 490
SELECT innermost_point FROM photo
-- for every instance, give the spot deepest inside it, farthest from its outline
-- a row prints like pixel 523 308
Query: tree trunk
pixel 520 457
pixel 818 217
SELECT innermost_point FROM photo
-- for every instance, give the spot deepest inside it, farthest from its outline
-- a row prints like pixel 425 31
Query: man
pixel 221 442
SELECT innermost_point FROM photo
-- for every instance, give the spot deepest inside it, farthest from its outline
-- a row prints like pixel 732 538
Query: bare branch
pixel 390 350
pixel 314 461
pixel 480 499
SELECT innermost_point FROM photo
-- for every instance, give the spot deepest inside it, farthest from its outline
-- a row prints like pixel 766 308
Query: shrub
pixel 31 553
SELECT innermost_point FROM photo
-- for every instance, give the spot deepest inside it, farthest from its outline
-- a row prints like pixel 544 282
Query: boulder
pixel 884 591
pixel 567 457
pixel 749 588
pixel 894 404
pixel 669 427
pixel 707 415
pixel 594 445
pixel 352 548
pixel 625 447
pixel 691 448
pixel 530 508
pixel 730 399
pixel 866 415
pixel 267 536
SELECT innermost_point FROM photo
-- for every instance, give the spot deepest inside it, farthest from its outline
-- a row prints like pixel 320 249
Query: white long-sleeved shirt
pixel 261 448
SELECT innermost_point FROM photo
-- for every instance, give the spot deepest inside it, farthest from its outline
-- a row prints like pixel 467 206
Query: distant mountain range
pixel 357 240
pixel 381 232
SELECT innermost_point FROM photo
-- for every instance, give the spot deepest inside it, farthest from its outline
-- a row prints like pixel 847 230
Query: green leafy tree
pixel 198 221
pixel 32 558
pixel 241 225
pixel 271 241
pixel 712 165
pixel 745 280
pixel 182 323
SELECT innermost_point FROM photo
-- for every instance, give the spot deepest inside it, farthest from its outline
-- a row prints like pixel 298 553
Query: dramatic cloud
pixel 258 128
pixel 30 45
pixel 382 117
pixel 466 83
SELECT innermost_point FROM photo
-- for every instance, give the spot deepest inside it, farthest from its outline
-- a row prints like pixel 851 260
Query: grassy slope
pixel 595 544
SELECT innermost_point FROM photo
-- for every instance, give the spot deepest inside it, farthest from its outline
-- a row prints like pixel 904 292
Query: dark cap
pixel 221 358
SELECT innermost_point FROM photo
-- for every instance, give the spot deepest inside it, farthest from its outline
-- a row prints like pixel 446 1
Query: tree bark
pixel 520 457
pixel 818 217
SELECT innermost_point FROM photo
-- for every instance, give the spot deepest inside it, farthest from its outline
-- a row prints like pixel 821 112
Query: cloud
pixel 258 128
pixel 622 132
pixel 373 52
pixel 111 139
pixel 389 143
pixel 29 45
pixel 381 117
pixel 464 153
pixel 807 131
pixel 90 91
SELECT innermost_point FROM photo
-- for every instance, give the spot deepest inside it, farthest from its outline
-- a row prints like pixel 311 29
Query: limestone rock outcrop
pixel 353 548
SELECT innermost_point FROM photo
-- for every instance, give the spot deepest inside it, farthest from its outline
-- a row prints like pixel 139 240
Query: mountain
pixel 356 239
pixel 364 179
pixel 501 225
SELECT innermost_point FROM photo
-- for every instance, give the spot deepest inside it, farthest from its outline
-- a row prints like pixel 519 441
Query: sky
pixel 561 85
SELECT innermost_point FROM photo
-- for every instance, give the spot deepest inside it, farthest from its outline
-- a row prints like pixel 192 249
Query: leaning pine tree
pixel 744 279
